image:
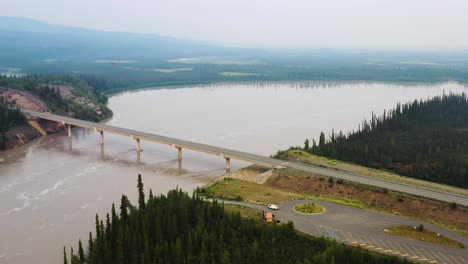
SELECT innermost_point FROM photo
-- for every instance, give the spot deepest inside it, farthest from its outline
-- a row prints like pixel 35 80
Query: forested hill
pixel 62 94
pixel 422 139
pixel 180 229
pixel 10 116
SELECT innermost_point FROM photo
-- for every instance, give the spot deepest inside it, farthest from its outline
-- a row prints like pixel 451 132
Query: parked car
pixel 273 206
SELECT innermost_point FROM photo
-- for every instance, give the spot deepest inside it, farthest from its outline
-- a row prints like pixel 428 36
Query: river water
pixel 51 189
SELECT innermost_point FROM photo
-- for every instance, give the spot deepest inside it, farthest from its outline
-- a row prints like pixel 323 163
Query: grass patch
pixel 245 212
pixel 237 190
pixel 309 208
pixel 423 235
pixel 231 189
pixel 344 201
pixel 238 74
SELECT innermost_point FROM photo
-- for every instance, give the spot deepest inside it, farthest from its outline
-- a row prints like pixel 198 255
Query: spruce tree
pixel 306 144
pixel 98 228
pixel 65 259
pixel 150 196
pixel 141 194
pixel 123 207
pixel 90 247
pixel 81 254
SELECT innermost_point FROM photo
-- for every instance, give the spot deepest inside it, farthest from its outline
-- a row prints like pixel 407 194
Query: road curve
pixel 355 226
pixel 258 159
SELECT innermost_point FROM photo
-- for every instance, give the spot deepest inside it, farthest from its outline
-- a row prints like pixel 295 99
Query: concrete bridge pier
pixel 70 145
pixel 138 145
pixel 102 137
pixel 179 167
pixel 69 129
pixel 228 164
pixel 179 153
pixel 102 156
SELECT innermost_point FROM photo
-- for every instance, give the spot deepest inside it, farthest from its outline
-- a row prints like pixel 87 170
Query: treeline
pixel 425 139
pixel 10 116
pixel 180 229
pixel 120 78
pixel 44 87
pixel 115 76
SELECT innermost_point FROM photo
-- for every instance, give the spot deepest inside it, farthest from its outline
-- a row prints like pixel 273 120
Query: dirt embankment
pixel 254 173
pixel 23 99
pixel 20 135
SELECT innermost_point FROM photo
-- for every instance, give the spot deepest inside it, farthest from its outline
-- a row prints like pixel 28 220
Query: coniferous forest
pixel 177 228
pixel 425 139
pixel 10 116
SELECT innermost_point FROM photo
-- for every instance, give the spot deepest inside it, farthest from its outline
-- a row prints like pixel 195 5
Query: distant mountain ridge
pixel 24 39
pixel 32 25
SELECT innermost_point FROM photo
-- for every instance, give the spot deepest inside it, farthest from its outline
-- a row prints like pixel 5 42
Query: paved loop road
pixel 356 226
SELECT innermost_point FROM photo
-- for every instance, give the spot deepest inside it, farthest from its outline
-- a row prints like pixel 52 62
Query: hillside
pixel 10 117
pixel 422 139
pixel 64 95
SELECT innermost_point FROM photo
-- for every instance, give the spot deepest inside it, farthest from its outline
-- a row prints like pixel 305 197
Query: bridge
pixel 229 154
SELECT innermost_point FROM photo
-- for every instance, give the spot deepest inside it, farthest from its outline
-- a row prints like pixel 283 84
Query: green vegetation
pixel 309 208
pixel 178 228
pixel 245 212
pixel 423 139
pixel 422 234
pixel 420 228
pixel 10 116
pixel 237 190
pixel 45 87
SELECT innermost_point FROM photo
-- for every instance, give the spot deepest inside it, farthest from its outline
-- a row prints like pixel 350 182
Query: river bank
pixel 20 136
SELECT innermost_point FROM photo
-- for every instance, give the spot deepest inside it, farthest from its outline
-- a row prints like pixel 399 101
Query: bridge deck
pixel 257 159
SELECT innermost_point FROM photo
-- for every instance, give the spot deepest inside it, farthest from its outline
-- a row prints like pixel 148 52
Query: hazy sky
pixel 395 24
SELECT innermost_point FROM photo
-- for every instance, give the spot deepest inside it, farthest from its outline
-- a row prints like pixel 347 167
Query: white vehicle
pixel 273 206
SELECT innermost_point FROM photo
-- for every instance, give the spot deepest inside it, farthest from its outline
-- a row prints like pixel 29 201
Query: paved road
pixel 258 159
pixel 366 228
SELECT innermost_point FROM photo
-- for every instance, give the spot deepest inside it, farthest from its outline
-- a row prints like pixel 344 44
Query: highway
pixel 256 159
